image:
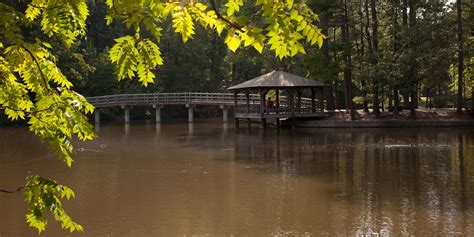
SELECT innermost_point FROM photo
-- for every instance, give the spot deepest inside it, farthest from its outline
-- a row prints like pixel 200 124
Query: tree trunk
pixel 382 99
pixel 405 13
pixel 396 102
pixel 418 95
pixel 406 99
pixel 472 99
pixel 375 58
pixel 365 103
pixel 413 77
pixel 396 99
pixel 325 50
pixel 431 99
pixel 390 99
pixel 336 99
pixel 347 65
pixel 232 73
pixel 330 97
pixel 460 57
pixel 405 93
pixel 413 104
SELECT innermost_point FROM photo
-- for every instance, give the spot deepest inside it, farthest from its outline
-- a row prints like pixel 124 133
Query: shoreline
pixel 381 123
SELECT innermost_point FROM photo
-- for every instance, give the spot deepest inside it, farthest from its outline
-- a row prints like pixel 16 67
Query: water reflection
pixel 190 129
pixel 205 179
pixel 97 128
pixel 384 182
pixel 158 129
pixel 127 129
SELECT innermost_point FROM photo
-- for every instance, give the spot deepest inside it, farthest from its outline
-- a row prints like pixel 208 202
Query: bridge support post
pixel 236 123
pixel 225 113
pixel 190 112
pixel 126 114
pixel 263 123
pixel 97 116
pixel 158 113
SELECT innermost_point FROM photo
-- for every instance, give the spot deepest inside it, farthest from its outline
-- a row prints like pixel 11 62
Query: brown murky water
pixel 175 180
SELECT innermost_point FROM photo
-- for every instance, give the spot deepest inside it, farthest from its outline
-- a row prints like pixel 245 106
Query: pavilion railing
pixel 282 108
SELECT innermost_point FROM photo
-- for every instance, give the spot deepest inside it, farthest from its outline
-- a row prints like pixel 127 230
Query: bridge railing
pixel 180 98
pixel 167 99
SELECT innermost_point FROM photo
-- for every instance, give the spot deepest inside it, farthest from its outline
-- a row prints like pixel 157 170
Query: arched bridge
pixel 189 99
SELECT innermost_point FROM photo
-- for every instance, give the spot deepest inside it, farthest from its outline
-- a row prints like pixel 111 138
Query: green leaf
pixel 232 41
pixel 183 23
pixel 41 195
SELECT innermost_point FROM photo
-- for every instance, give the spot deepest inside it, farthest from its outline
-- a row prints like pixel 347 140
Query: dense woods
pixel 389 55
pixel 381 55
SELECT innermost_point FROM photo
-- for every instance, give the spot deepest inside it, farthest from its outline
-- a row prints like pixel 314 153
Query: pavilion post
pixel 321 99
pixel 236 119
pixel 299 91
pixel 313 102
pixel 262 102
pixel 247 98
pixel 263 121
pixel 236 94
pixel 291 102
pixel 277 100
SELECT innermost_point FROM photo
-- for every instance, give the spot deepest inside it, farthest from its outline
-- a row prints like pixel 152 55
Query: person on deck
pixel 269 103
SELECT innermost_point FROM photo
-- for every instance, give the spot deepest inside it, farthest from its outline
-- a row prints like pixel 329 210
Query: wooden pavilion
pixel 294 97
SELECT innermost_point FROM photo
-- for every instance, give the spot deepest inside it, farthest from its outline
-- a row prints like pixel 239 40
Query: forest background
pixel 384 55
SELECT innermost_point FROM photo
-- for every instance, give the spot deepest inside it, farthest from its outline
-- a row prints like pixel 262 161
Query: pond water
pixel 208 179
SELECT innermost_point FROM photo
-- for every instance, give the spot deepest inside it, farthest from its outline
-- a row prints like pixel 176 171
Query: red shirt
pixel 269 104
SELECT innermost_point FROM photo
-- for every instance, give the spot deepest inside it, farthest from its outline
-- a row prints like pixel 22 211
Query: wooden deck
pixel 279 115
pixel 284 112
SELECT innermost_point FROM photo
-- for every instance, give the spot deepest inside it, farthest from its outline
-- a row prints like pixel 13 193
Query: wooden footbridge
pixel 288 90
pixel 188 99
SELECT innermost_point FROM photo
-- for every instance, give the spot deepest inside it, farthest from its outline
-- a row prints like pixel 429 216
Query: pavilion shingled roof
pixel 277 79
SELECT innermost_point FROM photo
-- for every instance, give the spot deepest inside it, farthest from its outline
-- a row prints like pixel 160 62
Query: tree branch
pixel 46 85
pixel 27 112
pixel 12 191
pixel 218 14
pixel 45 8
